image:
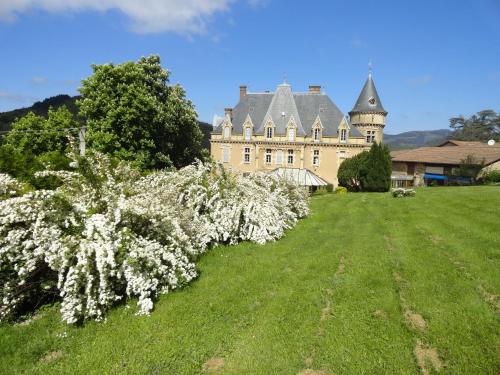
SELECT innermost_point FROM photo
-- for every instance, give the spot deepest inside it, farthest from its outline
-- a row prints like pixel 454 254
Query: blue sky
pixel 431 59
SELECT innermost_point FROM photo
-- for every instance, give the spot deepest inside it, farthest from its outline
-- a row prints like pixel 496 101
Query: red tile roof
pixel 448 155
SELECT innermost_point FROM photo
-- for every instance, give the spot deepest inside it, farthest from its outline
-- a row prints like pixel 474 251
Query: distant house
pixel 424 165
pixel 301 135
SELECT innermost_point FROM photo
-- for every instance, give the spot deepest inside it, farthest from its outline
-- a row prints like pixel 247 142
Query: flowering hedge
pixel 108 233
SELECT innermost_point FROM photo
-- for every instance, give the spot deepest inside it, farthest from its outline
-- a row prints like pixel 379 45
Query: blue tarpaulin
pixel 431 176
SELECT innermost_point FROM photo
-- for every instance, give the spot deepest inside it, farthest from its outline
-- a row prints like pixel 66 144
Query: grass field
pixel 367 284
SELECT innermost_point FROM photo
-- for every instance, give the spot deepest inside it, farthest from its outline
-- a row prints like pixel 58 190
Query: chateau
pixel 305 132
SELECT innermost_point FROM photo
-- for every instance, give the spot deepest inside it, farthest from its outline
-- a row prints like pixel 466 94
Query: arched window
pixel 269 132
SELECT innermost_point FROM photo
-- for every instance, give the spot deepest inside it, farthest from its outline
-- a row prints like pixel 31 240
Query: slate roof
pixel 447 155
pixel 281 105
pixel 368 101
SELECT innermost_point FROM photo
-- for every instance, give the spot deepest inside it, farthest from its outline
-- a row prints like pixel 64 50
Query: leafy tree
pixel 469 167
pixel 37 134
pixel 349 172
pixel 133 114
pixel 35 143
pixel 375 173
pixel 483 126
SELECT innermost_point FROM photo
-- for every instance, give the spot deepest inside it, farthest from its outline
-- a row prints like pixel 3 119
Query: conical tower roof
pixel 368 100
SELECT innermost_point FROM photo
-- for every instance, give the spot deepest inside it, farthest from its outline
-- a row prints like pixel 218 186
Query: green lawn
pixel 367 284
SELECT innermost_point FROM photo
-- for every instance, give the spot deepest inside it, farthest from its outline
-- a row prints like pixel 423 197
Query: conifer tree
pixel 375 174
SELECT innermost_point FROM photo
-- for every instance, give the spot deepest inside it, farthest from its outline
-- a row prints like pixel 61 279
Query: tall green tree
pixel 133 114
pixel 375 173
pixel 483 126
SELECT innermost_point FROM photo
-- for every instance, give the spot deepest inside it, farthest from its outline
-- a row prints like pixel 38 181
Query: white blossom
pixel 108 234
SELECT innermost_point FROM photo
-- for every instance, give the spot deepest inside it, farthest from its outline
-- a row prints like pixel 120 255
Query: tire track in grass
pixel 460 326
pixel 325 314
pixel 285 322
pixel 425 355
pixel 493 300
pixel 364 334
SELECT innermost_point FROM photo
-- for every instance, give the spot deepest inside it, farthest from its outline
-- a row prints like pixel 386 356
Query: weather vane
pixel 370 67
pixel 284 78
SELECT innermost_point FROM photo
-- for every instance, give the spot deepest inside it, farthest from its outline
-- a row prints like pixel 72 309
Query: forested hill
pixel 41 109
pixel 414 139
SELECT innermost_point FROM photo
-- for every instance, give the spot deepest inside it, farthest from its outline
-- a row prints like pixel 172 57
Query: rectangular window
pixel 247 155
pixel 317 134
pixel 368 136
pixel 343 135
pixel 290 157
pixel 226 153
pixel 227 132
pixel 248 133
pixel 279 157
pixel 269 132
pixel 342 154
pixel 373 137
pixel 316 157
pixel 268 156
pixel 291 135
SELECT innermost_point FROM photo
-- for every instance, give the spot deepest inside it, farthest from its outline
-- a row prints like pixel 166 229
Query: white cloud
pixel 39 80
pixel 358 43
pixel 146 16
pixel 420 80
pixel 258 3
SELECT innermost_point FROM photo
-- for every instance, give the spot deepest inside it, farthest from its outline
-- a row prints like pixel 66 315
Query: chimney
pixel 228 112
pixel 243 91
pixel 315 89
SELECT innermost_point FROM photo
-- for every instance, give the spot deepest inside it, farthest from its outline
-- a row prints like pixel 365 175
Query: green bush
pixel 401 192
pixel 491 177
pixel 329 188
pixel 349 171
pixel 341 190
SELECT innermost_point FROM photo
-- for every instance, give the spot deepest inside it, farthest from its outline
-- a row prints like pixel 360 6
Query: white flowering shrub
pixel 9 186
pixel 108 233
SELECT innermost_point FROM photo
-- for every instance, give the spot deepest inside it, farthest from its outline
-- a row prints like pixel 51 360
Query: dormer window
pixel 248 133
pixel 269 132
pixel 226 132
pixel 317 134
pixel 291 134
pixel 343 135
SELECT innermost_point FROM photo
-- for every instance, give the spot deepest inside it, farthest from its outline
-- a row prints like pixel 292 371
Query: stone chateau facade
pixel 304 131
